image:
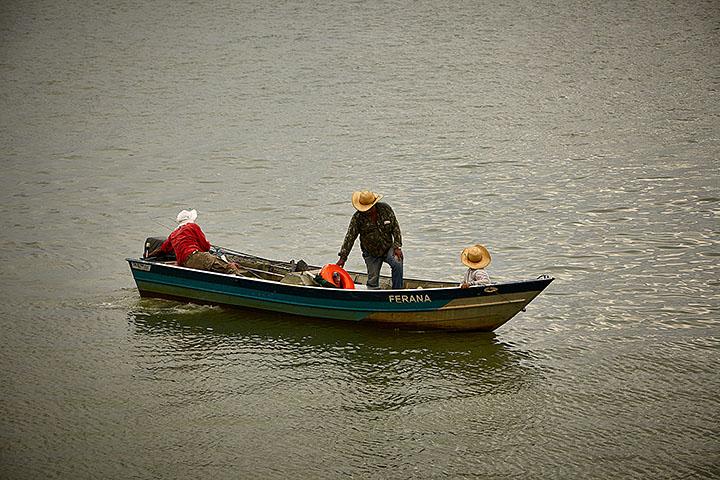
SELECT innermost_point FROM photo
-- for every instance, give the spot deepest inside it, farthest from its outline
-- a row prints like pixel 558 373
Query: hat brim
pixel 484 262
pixel 364 208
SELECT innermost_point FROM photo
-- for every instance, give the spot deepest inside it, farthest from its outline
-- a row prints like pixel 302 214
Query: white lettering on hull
pixel 409 298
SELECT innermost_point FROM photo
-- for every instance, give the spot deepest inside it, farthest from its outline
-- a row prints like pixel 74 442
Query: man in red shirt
pixel 191 248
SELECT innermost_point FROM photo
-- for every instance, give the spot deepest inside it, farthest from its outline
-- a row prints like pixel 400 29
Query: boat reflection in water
pixel 372 368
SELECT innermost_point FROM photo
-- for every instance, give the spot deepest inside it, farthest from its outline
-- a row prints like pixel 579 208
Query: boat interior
pixel 292 272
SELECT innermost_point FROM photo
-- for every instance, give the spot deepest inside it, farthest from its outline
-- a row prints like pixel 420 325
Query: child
pixel 476 258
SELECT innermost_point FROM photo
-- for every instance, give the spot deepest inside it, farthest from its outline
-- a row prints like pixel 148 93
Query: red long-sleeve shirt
pixel 184 241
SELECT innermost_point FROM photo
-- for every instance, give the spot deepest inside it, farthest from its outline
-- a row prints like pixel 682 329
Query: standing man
pixel 191 248
pixel 380 238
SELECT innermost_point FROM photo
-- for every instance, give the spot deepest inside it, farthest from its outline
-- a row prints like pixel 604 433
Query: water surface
pixel 574 139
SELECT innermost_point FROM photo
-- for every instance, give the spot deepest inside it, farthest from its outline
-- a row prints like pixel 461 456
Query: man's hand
pixel 398 253
pixel 154 253
pixel 340 263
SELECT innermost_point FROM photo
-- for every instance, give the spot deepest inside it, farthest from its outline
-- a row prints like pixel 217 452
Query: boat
pixel 296 288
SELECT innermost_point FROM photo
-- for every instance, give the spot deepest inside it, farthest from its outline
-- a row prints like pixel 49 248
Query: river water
pixel 578 139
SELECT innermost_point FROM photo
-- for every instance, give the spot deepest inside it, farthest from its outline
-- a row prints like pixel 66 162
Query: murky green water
pixel 577 139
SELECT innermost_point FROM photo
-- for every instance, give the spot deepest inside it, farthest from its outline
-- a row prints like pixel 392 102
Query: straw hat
pixel 476 256
pixel 364 201
pixel 186 216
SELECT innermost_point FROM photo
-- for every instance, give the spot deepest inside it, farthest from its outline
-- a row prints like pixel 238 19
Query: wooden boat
pixel 293 288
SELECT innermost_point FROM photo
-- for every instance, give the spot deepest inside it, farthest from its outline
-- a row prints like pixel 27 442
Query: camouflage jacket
pixel 375 237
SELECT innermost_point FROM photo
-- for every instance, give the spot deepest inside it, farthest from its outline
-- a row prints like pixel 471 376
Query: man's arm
pixel 166 247
pixel 350 236
pixel 397 236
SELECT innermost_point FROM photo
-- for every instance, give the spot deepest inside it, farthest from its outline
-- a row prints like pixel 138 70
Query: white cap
pixel 186 216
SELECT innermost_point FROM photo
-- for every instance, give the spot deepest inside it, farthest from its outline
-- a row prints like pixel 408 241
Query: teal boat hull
pixel 447 308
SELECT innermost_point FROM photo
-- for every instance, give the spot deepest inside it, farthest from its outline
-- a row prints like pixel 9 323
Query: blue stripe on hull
pixel 247 302
pixel 344 309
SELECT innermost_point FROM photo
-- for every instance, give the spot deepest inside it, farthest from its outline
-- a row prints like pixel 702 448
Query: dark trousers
pixel 374 264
